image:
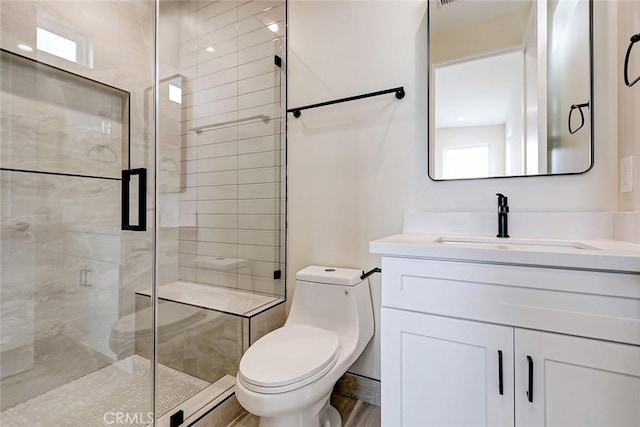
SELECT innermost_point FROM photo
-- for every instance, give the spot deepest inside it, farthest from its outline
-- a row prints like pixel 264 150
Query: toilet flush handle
pixel 370 272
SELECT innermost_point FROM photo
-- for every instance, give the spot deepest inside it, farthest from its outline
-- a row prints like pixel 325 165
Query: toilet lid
pixel 289 355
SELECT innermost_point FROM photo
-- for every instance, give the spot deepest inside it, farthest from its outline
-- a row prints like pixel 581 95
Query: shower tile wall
pixel 41 132
pixel 232 200
pixel 55 324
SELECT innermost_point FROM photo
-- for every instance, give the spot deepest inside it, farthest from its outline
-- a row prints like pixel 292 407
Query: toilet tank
pixel 335 299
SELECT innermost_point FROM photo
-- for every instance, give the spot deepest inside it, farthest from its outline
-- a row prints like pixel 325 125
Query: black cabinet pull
pixel 634 39
pixel 142 199
pixel 500 383
pixel 530 390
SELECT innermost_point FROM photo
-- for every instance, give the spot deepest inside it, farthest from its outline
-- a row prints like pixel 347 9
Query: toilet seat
pixel 288 358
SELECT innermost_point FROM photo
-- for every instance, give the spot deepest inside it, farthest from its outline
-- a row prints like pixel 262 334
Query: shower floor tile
pixel 99 397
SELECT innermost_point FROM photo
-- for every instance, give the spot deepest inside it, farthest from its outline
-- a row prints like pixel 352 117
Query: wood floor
pixel 355 413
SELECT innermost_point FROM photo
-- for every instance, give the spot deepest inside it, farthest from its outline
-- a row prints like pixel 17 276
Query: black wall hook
pixel 578 107
pixel 634 39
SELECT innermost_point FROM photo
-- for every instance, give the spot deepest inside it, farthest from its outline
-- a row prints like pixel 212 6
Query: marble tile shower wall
pixel 232 199
pixel 55 327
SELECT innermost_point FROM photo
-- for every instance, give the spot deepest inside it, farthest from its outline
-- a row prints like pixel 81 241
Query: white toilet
pixel 287 376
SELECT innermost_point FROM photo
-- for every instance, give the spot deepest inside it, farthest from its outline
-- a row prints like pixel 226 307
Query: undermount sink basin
pixel 552 252
pixel 509 243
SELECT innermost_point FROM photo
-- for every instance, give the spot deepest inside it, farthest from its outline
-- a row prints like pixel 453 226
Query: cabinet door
pixel 438 371
pixel 576 381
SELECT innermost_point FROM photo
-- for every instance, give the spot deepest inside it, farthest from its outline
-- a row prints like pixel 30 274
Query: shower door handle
pixel 141 225
pixel 530 386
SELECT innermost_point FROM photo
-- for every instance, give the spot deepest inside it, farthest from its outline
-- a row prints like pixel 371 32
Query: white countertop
pixel 602 255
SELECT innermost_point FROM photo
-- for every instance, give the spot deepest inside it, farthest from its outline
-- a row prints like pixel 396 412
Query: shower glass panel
pixel 221 185
pixel 76 82
pixel 104 319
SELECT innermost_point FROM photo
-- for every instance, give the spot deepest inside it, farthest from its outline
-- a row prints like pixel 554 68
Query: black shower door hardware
pixel 634 39
pixel 141 225
pixel 500 374
pixel 578 107
pixel 176 419
pixel 530 385
pixel 74 175
pixel 297 111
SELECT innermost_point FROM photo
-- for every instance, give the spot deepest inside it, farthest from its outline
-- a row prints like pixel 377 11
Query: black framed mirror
pixel 510 88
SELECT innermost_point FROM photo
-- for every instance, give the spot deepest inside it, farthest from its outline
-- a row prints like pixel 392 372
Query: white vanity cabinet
pixel 576 381
pixel 481 344
pixel 438 371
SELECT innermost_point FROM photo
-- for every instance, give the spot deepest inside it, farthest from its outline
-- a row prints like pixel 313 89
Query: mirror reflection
pixel 509 88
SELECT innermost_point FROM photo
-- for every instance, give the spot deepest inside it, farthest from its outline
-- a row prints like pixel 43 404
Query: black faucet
pixel 503 210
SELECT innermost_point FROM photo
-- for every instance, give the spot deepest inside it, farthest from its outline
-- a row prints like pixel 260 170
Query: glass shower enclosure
pixel 142 204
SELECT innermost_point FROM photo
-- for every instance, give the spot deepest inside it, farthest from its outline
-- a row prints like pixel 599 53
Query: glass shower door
pixel 76 81
pixel 221 187
pixel 106 319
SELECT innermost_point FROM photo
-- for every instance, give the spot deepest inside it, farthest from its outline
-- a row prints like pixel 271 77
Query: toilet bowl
pixel 286 377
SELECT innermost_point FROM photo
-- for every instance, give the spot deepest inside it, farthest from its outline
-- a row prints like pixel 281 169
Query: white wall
pixel 354 168
pixel 629 98
pixel 531 83
pixel 515 127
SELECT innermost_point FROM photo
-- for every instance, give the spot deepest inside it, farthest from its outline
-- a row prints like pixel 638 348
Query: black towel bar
pixel 297 111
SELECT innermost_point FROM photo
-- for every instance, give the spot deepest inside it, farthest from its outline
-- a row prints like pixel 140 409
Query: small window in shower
pixel 55 39
pixel 175 91
pixel 54 44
